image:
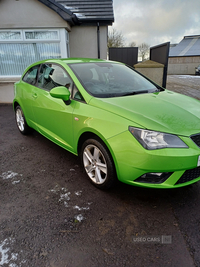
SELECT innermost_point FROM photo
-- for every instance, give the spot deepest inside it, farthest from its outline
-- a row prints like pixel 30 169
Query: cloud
pixel 157 21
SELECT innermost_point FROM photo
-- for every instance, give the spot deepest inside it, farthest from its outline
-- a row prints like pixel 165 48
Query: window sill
pixel 9 79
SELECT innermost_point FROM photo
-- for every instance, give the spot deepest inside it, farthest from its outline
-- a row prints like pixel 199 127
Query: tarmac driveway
pixel 51 216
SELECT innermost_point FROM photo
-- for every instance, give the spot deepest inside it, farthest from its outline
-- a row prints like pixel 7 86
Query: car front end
pixel 156 168
pixel 160 147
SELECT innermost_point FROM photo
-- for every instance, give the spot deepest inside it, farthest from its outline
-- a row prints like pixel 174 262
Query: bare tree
pixel 132 44
pixel 143 50
pixel 115 38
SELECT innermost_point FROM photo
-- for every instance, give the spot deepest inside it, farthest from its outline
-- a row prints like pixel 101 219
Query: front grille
pixel 196 139
pixel 189 175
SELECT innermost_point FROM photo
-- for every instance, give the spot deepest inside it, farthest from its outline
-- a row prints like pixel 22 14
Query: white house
pixel 31 30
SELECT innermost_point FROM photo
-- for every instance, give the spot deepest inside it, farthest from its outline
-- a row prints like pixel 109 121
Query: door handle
pixel 34 95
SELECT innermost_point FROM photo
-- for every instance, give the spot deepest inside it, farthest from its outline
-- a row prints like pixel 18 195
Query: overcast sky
pixel 156 21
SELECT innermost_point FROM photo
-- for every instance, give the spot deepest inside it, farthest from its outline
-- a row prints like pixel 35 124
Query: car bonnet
pixel 164 111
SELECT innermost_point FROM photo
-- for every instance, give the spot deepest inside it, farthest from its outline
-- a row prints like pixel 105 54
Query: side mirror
pixel 62 93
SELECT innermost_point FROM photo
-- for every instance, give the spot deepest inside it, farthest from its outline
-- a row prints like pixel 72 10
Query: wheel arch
pixel 88 135
pixel 15 104
pixel 112 178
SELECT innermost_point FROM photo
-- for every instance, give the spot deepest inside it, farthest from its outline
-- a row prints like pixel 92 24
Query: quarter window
pixel 31 75
pixel 77 95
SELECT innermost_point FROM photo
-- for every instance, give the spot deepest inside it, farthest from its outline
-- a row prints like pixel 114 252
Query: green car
pixel 122 125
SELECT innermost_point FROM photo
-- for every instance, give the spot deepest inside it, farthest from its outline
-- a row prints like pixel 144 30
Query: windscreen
pixel 106 79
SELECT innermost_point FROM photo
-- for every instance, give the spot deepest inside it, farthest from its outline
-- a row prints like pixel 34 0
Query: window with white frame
pixel 20 48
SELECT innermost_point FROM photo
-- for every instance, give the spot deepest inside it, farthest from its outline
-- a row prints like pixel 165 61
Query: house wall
pixel 6 92
pixel 83 41
pixel 7 89
pixel 29 14
pixel 183 65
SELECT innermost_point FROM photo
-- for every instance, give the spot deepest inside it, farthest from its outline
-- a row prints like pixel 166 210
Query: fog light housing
pixel 153 177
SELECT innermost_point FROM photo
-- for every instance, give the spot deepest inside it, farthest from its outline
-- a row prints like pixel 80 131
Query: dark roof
pixel 189 46
pixel 83 11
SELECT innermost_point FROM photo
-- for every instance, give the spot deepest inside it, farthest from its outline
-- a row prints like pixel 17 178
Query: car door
pixel 52 116
pixel 25 91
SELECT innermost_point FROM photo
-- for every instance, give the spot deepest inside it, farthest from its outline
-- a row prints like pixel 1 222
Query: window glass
pixel 31 75
pixel 10 35
pixel 52 75
pixel 21 47
pixel 106 79
pixel 67 42
pixel 41 35
pixel 15 57
pixel 77 95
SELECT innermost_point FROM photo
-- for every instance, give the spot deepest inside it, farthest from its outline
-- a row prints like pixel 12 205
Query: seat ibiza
pixel 122 125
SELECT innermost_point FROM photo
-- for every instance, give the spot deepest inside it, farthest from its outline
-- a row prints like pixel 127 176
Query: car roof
pixel 74 60
pixel 82 60
pixel 69 61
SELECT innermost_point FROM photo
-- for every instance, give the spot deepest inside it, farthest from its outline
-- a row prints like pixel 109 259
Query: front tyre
pixel 98 164
pixel 21 121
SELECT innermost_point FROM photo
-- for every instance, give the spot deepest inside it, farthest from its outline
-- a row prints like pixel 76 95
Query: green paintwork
pixel 109 119
pixel 60 92
pixel 164 111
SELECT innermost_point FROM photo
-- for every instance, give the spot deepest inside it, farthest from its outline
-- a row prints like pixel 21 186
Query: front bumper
pixel 132 161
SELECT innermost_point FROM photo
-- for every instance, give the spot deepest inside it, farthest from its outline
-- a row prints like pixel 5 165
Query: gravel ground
pixel 50 216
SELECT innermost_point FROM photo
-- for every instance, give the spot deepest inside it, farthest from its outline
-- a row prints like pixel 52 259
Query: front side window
pixel 31 75
pixel 104 79
pixel 52 75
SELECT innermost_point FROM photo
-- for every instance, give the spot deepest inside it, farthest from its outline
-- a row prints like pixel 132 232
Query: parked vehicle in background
pixel 197 70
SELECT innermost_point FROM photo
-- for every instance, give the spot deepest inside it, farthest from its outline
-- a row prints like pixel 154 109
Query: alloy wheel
pixel 20 119
pixel 95 164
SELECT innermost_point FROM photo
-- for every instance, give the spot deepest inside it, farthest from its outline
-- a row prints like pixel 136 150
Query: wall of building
pixel 183 65
pixel 29 14
pixel 7 89
pixel 6 92
pixel 83 41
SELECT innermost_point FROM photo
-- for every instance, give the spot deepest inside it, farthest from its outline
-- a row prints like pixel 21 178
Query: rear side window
pixel 31 75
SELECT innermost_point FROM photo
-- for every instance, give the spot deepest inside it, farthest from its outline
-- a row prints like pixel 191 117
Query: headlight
pixel 156 140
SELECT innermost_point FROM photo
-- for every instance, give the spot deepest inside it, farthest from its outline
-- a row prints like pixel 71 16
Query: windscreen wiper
pixel 136 92
pixel 144 92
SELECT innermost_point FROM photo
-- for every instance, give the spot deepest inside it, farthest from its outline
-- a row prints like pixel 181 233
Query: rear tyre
pixel 98 164
pixel 21 121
